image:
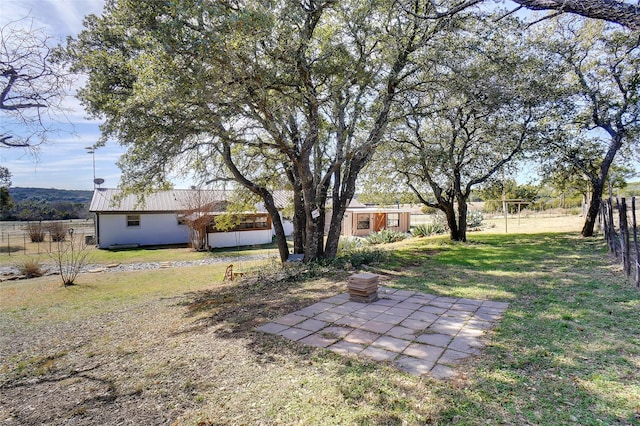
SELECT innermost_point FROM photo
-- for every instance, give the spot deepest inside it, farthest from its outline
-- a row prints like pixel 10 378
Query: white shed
pixel 157 220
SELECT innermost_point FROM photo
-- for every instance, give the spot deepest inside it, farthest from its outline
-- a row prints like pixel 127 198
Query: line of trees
pixel 438 95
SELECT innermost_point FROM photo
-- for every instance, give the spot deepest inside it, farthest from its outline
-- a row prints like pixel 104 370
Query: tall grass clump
pixel 30 268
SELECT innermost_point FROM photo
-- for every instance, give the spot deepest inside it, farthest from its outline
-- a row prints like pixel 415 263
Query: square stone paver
pixel 338 300
pixel 344 348
pixel 328 316
pixel 435 310
pixel 291 319
pixel 425 352
pixel 386 302
pixel 366 314
pixel 294 333
pixel 391 343
pixel 402 333
pixel 470 345
pixel 272 328
pixel 423 316
pixel 441 340
pixel 378 354
pixel 409 304
pixel 440 371
pixel 413 365
pixel 317 340
pixel 452 357
pixel 351 321
pixel 377 326
pixel 361 336
pixel 389 319
pixel 335 331
pixel 414 324
pixel 312 325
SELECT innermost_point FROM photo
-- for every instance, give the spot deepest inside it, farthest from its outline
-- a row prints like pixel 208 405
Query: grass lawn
pixel 177 346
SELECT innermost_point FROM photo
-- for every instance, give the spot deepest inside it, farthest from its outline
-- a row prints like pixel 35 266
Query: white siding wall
pixel 239 238
pixel 288 227
pixel 154 229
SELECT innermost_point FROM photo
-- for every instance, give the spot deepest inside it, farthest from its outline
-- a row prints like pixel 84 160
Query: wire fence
pixel 17 238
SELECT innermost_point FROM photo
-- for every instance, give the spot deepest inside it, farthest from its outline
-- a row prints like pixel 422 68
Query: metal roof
pixel 107 200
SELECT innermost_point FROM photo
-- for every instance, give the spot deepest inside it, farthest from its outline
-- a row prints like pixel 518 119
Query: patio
pixel 417 332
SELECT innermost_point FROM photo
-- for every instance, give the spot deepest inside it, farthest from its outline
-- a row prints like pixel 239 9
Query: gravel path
pixel 10 270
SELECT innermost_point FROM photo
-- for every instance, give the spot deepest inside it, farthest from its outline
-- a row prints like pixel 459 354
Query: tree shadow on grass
pixel 238 307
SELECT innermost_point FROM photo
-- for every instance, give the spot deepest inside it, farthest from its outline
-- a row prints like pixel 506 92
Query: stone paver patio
pixel 419 333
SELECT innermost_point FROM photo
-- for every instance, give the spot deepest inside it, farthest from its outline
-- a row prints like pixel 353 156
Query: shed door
pixel 379 221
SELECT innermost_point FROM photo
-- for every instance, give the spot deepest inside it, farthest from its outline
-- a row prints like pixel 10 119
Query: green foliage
pixel 386 236
pixel 474 219
pixel 355 252
pixel 428 229
pixel 493 192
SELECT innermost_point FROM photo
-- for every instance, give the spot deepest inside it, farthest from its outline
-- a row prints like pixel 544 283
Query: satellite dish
pixel 98 181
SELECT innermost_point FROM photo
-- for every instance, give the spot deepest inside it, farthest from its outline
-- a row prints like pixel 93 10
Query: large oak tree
pixel 601 94
pixel 299 92
pixel 480 103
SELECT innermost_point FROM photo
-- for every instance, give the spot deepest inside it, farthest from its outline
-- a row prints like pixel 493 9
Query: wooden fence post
pixel 612 229
pixel 635 241
pixel 624 235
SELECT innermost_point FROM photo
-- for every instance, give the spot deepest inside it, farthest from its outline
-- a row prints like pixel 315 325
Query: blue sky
pixel 63 162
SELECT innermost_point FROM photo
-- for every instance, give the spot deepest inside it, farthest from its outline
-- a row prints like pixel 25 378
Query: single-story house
pixel 160 219
pixel 362 221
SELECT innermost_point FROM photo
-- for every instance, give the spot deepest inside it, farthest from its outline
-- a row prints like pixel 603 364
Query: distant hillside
pixel 50 195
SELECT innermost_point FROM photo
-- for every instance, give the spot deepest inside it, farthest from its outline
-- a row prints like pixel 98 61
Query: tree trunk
pixel 267 198
pixel 462 220
pixel 450 214
pixel 597 186
pixel 299 224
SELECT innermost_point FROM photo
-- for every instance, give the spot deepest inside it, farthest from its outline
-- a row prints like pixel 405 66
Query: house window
pixel 363 221
pixel 133 220
pixel 393 220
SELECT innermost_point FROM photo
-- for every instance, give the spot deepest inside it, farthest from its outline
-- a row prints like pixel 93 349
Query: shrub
pixel 349 244
pixel 69 259
pixel 36 232
pixel 355 252
pixel 30 268
pixel 425 230
pixel 386 236
pixel 474 219
pixel 57 230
